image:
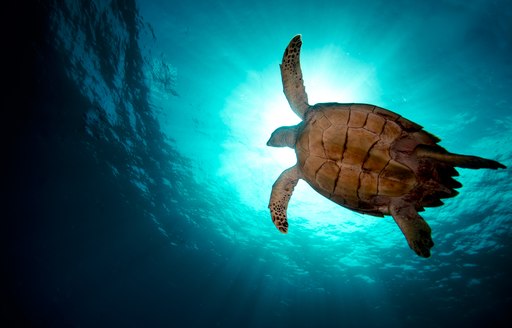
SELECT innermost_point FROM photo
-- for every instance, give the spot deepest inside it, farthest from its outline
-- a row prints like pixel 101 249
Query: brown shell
pixel 358 155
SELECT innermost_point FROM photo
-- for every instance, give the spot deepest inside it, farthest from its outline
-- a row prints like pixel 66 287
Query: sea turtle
pixel 365 158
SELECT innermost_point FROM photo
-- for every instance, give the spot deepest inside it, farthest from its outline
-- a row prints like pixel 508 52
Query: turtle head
pixel 285 136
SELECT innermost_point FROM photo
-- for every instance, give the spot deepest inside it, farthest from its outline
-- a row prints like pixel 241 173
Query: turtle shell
pixel 359 156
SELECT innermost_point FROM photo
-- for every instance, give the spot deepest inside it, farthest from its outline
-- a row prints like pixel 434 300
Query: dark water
pixel 137 178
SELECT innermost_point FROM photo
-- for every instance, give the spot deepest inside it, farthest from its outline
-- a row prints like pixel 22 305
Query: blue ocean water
pixel 138 178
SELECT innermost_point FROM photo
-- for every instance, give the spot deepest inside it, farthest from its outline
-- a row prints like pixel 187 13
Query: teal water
pixel 139 178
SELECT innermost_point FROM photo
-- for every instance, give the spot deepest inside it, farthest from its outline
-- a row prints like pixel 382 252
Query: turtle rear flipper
pixel 415 229
pixel 281 192
pixel 464 161
pixel 291 73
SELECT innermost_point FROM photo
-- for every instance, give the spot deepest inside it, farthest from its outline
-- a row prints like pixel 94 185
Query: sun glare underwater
pixel 140 176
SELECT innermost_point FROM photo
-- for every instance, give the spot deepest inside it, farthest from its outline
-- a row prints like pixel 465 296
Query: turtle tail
pixel 464 161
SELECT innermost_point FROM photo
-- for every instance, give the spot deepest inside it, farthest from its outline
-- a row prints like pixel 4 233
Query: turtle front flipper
pixel 281 192
pixel 291 73
pixel 413 226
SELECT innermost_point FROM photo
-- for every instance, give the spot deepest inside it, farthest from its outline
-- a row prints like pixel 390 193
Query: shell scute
pixel 321 122
pixel 397 171
pixel 362 107
pixel 311 165
pixel 375 123
pixel 391 132
pixel 334 141
pixel 326 173
pixel 396 180
pixel 392 188
pixel 359 142
pixel 347 182
pixel 408 125
pixel 314 137
pixel 378 157
pixel 337 116
pixel 368 182
pixel 357 119
pixel 302 144
pixel 386 113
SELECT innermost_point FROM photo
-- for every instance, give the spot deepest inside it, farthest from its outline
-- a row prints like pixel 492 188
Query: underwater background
pixel 137 179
